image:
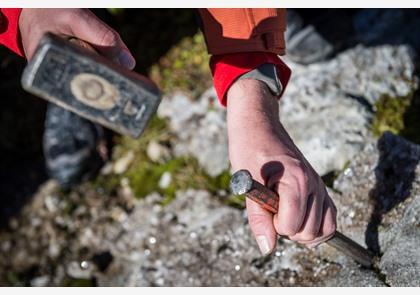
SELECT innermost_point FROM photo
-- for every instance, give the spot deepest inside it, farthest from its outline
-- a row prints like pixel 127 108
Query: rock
pixel 82 270
pixel 328 107
pixel 121 165
pixel 378 199
pixel 165 180
pixel 40 281
pixel 157 152
pixel 197 241
pixel 200 127
pixel 388 26
pixel 400 262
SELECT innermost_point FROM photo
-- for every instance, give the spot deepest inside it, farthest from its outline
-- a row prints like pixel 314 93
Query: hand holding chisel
pixel 243 183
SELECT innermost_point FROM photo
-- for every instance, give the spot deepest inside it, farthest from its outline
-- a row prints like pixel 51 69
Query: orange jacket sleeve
pixel 231 30
pixel 242 39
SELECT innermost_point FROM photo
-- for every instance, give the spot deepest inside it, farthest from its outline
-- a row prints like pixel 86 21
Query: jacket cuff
pixel 227 68
pixel 9 29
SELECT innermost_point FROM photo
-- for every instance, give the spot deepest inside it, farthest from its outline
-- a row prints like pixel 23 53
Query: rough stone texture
pixel 200 127
pixel 328 106
pixel 378 199
pixel 195 241
pixel 401 260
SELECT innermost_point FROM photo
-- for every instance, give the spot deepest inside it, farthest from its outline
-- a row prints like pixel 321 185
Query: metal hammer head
pixel 91 86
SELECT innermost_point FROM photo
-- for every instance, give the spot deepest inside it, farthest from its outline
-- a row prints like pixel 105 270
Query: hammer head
pixel 91 86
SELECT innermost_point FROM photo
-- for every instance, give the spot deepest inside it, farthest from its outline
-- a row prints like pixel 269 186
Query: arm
pixel 258 141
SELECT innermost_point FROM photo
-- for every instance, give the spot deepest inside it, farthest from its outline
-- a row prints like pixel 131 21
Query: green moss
pixel 79 283
pixel 400 115
pixel 115 11
pixel 14 280
pixel 144 174
pixel 390 114
pixel 185 67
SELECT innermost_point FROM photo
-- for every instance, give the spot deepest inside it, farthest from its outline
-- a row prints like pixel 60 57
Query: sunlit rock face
pixel 328 107
pixel 197 241
pixel 378 199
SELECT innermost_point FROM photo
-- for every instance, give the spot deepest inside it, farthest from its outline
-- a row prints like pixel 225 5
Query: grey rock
pixel 79 270
pixel 328 107
pixel 378 199
pixel 199 242
pixel 200 127
pixel 400 262
pixel 40 281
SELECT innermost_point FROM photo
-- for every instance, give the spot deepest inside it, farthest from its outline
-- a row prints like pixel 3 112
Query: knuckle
pixel 69 16
pixel 286 230
pixel 109 36
pixel 330 229
pixel 309 236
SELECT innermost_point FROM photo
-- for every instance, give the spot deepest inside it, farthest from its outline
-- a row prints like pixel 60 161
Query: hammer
pixel 243 183
pixel 71 74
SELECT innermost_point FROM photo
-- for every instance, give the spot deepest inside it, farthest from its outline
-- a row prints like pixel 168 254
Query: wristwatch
pixel 266 73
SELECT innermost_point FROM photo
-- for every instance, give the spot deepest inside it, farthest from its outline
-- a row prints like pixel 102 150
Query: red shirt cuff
pixel 9 29
pixel 226 68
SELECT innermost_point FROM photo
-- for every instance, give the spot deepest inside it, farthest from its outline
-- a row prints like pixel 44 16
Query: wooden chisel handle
pixel 243 183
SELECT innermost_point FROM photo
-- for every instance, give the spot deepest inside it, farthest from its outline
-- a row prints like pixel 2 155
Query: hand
pixel 259 143
pixel 79 23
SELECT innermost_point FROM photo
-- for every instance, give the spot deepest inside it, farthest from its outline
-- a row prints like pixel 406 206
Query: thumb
pixel 261 223
pixel 103 38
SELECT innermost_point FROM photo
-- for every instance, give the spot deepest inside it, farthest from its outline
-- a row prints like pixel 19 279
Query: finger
pixel 310 228
pixel 292 208
pixel 106 40
pixel 328 224
pixel 261 223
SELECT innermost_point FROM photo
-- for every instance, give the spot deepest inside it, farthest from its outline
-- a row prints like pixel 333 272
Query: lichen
pixel 390 114
pixel 185 67
pixel 399 115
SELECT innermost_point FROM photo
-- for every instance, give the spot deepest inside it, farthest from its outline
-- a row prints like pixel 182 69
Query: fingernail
pixel 126 60
pixel 263 244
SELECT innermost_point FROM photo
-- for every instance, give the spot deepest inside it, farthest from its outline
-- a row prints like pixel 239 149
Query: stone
pixel 157 152
pixel 40 281
pixel 200 242
pixel 121 165
pixel 400 262
pixel 328 107
pixel 377 199
pixel 200 127
pixel 79 270
pixel 165 180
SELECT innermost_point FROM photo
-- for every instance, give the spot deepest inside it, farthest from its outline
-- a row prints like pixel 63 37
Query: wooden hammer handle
pixel 270 200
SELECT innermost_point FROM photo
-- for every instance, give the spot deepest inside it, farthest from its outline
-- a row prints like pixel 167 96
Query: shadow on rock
pixel 395 173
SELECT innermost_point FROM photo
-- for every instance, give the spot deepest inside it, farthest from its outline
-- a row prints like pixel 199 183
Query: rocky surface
pixel 327 108
pixel 196 240
pixel 200 128
pixel 377 198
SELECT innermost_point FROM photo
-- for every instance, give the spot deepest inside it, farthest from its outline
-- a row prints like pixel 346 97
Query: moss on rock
pixel 185 67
